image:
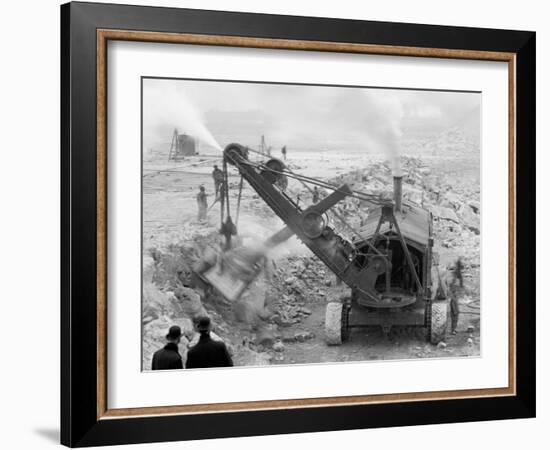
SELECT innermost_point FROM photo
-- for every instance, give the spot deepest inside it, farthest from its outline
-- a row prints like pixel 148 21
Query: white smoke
pixel 386 128
pixel 165 108
pixel 256 233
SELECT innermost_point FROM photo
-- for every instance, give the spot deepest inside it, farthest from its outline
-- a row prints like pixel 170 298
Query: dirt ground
pixel 293 330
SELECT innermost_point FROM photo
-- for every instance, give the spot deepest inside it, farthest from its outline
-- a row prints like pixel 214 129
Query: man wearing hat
pixel 202 203
pixel 207 352
pixel 168 358
pixel 218 176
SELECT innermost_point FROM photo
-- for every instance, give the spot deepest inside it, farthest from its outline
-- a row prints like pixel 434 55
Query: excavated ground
pixel 280 320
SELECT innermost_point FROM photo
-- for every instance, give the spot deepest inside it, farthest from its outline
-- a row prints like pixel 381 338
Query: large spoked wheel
pixel 273 173
pixel 336 323
pixel 438 321
pixel 235 152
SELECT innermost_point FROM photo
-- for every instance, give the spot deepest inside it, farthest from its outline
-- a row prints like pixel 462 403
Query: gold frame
pixel 104 35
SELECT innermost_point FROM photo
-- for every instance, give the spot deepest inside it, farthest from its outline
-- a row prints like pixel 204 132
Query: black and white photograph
pixel 303 224
pixel 275 224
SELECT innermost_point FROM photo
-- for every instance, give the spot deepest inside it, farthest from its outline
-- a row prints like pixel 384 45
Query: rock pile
pixel 455 206
pixel 269 317
pixel 293 285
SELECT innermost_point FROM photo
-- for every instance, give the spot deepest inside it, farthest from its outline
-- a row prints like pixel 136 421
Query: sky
pixel 300 117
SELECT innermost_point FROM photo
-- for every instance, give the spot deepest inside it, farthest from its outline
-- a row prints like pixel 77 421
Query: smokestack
pixel 397 191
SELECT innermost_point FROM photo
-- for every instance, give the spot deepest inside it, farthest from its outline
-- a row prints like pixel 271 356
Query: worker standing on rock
pixel 207 352
pixel 459 266
pixel 455 311
pixel 202 203
pixel 168 358
pixel 456 288
pixel 315 195
pixel 217 175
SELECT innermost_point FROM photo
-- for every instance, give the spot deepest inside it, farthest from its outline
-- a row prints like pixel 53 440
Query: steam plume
pixel 174 111
pixel 385 130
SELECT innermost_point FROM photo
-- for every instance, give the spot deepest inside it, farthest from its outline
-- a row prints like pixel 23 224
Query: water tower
pixel 182 145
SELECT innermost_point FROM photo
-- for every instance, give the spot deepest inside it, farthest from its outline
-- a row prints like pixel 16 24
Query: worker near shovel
pixel 217 175
pixel 315 195
pixel 202 203
pixel 456 289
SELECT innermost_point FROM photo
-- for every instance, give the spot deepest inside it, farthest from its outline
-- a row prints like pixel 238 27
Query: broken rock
pixel 470 219
pixel 278 346
pixel 303 336
pixel 265 337
pixel 188 302
pixel 445 213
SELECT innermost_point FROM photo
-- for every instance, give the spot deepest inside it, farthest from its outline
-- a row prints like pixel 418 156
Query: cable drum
pixel 378 264
pixel 313 224
pixel 235 152
pixel 273 172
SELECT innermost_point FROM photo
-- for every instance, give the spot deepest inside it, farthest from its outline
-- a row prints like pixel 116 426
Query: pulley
pixel 273 172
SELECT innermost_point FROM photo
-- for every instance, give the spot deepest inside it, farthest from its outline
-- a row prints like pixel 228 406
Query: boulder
pixel 149 267
pixel 243 356
pixel 469 218
pixel 157 329
pixel 245 312
pixel 303 336
pixel 452 200
pixel 282 320
pixel 475 206
pixel 186 325
pixel 413 194
pixel 288 338
pixel 187 302
pixel 278 346
pixel 445 213
pixel 155 302
pixel 265 337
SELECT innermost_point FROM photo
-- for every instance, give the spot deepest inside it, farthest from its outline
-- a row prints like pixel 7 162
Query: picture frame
pixel 86 419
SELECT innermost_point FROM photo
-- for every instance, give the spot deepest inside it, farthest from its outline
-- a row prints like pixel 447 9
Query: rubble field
pixel 280 318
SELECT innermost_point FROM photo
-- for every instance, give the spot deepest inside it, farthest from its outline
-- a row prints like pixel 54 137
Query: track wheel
pixel 333 323
pixel 438 321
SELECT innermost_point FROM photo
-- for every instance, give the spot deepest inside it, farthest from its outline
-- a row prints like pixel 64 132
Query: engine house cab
pixel 395 251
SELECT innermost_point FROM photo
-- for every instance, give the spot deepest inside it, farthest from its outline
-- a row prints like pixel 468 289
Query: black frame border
pixel 79 423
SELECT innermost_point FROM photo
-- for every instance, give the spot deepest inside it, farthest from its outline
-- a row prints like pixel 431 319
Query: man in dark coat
pixel 168 358
pixel 218 177
pixel 207 352
pixel 456 289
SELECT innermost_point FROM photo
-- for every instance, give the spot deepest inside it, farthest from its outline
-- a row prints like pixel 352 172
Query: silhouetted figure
pixel 459 266
pixel 456 288
pixel 168 358
pixel 202 203
pixel 315 195
pixel 207 352
pixel 283 151
pixel 217 175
